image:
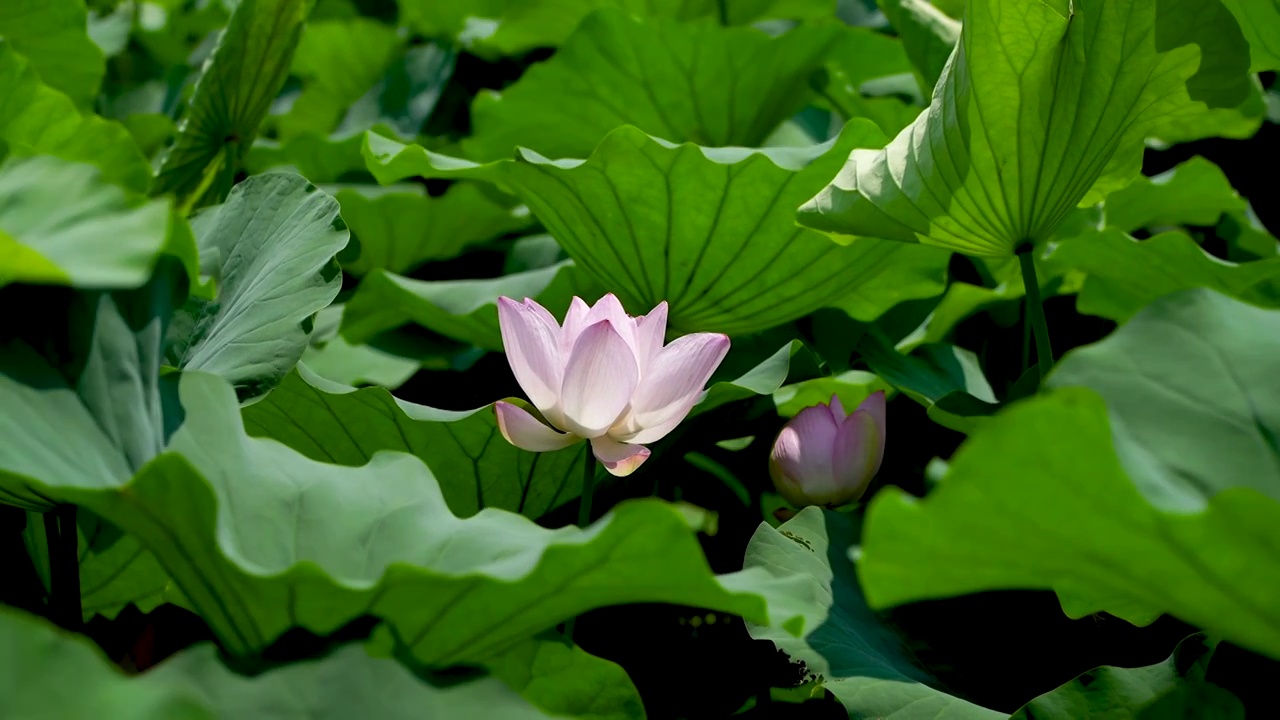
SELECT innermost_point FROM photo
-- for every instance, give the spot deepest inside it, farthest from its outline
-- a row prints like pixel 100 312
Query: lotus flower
pixel 603 376
pixel 824 456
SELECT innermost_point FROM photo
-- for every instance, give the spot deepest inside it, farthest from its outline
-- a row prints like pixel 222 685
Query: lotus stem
pixel 723 7
pixel 584 515
pixel 64 566
pixel 1035 311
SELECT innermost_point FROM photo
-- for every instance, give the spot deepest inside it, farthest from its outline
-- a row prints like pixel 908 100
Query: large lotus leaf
pixel 92 379
pixel 38 659
pixel 475 466
pixel 61 224
pixel 235 90
pixel 1260 20
pixel 35 119
pixel 1110 691
pixel 683 82
pixel 53 35
pixel 1195 192
pixel 337 62
pixel 1193 401
pixel 859 659
pixel 1125 275
pixel 465 310
pixel 1036 111
pixel 398 230
pixel 927 33
pixel 272 248
pixel 1038 498
pixel 509 27
pixel 706 229
pixel 260 539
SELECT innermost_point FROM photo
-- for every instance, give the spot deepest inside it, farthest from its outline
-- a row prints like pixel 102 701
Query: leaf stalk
pixel 1035 311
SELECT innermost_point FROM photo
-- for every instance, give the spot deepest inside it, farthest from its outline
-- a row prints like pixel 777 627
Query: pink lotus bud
pixel 825 457
pixel 603 376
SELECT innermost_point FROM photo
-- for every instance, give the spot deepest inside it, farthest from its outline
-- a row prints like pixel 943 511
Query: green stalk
pixel 64 566
pixel 1035 311
pixel 723 7
pixel 584 514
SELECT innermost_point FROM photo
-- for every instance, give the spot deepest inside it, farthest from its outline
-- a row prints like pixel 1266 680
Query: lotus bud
pixel 824 456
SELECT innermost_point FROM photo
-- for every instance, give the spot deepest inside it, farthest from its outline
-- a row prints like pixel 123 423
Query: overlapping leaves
pixel 706 229
pixel 1150 519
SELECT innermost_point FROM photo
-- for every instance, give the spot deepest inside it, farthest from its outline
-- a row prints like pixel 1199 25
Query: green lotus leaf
pixel 1192 410
pixel 855 656
pixel 475 466
pixel 706 229
pixel 465 310
pixel 927 33
pixel 62 224
pixel 1050 462
pixel 337 62
pixel 195 685
pixel 398 230
pixel 53 35
pixel 508 27
pixel 1260 20
pixel 271 248
pixel 1042 105
pixel 35 119
pixel 1195 192
pixel 1126 275
pixel 683 82
pixel 231 98
pixel 1134 691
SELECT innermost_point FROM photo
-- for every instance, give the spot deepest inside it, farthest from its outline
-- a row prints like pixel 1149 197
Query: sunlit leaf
pixel 35 119
pixel 1034 113
pixel 53 35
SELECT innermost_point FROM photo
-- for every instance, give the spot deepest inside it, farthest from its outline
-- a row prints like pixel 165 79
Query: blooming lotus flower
pixel 824 456
pixel 603 376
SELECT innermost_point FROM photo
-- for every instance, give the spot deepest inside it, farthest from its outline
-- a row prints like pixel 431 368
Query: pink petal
pixel 837 410
pixel 610 308
pixel 532 348
pixel 525 432
pixel 651 331
pixel 875 405
pixel 620 459
pixel 676 377
pixel 857 453
pixel 575 320
pixel 599 379
pixel 802 452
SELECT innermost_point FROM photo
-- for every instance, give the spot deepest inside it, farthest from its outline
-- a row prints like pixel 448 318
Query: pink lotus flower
pixel 826 457
pixel 603 376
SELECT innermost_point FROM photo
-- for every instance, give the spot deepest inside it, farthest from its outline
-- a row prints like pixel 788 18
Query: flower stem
pixel 64 566
pixel 584 515
pixel 1035 311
